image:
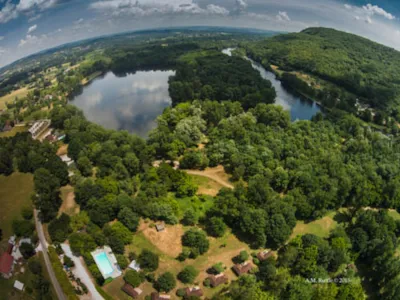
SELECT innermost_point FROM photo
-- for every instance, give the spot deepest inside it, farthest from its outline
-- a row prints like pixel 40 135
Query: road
pixel 80 272
pixel 42 239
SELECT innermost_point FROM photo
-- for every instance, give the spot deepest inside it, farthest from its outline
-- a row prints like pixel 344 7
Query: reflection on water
pixel 128 103
pixel 299 107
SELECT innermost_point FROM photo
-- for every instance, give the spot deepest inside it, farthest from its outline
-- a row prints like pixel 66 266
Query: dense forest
pixel 369 71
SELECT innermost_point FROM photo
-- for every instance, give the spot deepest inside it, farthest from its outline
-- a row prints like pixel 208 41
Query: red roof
pixel 6 261
pixel 9 248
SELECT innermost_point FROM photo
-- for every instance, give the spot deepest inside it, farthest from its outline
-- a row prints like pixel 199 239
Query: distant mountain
pixel 362 67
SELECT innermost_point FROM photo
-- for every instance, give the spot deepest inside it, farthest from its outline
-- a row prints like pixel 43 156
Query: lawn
pixel 68 205
pixel 21 93
pixel 320 227
pixel 13 131
pixel 206 185
pixel 15 193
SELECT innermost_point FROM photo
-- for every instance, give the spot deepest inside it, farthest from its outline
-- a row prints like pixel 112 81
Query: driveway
pixel 80 272
pixel 43 243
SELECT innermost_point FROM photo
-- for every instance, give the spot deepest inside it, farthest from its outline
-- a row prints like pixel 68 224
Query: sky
pixel 29 26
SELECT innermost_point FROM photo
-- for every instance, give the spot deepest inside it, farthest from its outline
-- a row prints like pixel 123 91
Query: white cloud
pixel 3 50
pixel 283 16
pixel 79 21
pixel 32 29
pixel 368 20
pixel 348 6
pixel 376 10
pixel 11 11
pixel 35 18
pixel 155 7
pixel 8 12
pixel 1 37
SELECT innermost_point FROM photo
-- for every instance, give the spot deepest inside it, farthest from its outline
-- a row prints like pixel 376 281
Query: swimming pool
pixel 103 263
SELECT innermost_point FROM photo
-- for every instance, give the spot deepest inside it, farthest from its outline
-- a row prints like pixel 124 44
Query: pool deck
pixel 113 261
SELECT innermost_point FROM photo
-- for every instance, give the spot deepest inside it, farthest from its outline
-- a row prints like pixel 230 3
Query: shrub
pixel 27 213
pixel 216 227
pixel 190 218
pixel 165 282
pixel 148 260
pixel 34 266
pixel 68 262
pixel 196 239
pixel 132 256
pixel 188 274
pixel 23 228
pixel 122 261
pixel 27 250
pixel 133 278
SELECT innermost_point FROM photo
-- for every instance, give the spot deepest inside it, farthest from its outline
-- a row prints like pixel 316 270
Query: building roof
pixel 134 266
pixel 131 291
pixel 263 255
pixel 160 226
pixel 216 280
pixel 194 291
pixel 157 296
pixel 10 248
pixel 6 261
pixel 19 285
pixel 242 268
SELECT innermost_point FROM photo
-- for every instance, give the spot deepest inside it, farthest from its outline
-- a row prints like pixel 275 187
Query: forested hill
pixel 364 68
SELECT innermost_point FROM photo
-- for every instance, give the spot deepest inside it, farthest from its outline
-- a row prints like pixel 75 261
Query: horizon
pixel 31 26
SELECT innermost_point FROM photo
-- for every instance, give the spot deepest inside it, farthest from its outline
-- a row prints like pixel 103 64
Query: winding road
pixel 42 239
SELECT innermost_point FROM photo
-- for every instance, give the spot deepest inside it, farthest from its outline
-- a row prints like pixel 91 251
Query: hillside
pixel 368 70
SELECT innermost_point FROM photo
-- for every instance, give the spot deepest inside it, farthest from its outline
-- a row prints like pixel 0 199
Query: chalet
pixel 263 255
pixel 134 266
pixel 194 291
pixel 6 265
pixel 160 226
pixel 131 291
pixel 157 296
pixel 216 280
pixel 242 268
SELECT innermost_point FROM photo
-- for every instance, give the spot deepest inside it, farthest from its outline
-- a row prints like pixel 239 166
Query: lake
pixel 299 107
pixel 131 103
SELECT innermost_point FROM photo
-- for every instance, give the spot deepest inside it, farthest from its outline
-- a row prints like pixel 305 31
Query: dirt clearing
pixel 168 241
pixel 217 174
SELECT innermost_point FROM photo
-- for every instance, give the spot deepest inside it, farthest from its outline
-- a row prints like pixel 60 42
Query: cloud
pixel 32 29
pixel 8 12
pixel 376 10
pixel 3 50
pixel 348 6
pixel 282 16
pixel 29 8
pixel 1 37
pixel 368 20
pixel 155 7
pixel 79 21
pixel 35 18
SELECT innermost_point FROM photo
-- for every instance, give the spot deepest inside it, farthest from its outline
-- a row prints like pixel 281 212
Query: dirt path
pixel 217 174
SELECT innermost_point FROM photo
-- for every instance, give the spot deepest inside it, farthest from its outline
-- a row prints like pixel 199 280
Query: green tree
pixel 133 278
pixel 148 260
pixel 216 227
pixel 85 166
pixel 196 239
pixel 127 217
pixel 27 250
pixel 165 282
pixel 188 274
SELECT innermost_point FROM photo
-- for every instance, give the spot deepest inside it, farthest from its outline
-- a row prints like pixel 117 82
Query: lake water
pixel 299 107
pixel 131 103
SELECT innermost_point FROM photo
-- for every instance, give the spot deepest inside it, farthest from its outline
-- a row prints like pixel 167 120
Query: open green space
pixel 15 193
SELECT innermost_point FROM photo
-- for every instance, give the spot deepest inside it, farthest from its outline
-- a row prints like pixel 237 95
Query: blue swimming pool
pixel 103 263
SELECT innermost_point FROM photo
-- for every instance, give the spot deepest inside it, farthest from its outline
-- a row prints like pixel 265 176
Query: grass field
pixel 206 185
pixel 320 227
pixel 21 93
pixel 68 205
pixel 15 193
pixel 13 131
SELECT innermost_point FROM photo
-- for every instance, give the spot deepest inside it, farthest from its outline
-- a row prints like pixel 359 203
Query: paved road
pixel 80 272
pixel 42 239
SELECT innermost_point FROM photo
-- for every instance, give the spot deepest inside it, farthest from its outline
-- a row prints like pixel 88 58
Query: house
pixel 263 255
pixel 242 268
pixel 6 265
pixel 194 291
pixel 51 138
pixel 39 127
pixel 134 266
pixel 160 226
pixel 157 296
pixel 18 285
pixel 131 291
pixel 216 280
